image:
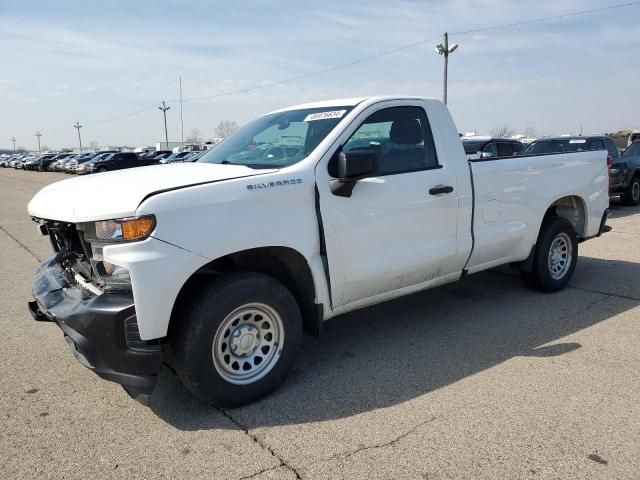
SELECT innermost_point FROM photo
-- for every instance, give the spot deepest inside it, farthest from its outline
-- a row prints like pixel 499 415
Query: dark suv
pixel 572 144
pixel 488 148
pixel 624 175
pixel 117 161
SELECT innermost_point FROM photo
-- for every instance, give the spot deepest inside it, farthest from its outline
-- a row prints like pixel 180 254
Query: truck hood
pixel 117 194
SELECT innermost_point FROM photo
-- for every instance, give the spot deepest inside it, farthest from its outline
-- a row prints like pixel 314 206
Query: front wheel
pixel 555 256
pixel 235 339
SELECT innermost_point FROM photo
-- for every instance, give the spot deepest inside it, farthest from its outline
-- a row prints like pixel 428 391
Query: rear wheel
pixel 235 339
pixel 631 195
pixel 555 256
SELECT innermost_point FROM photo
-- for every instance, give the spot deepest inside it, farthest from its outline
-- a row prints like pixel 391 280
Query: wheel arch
pixel 285 264
pixel 572 208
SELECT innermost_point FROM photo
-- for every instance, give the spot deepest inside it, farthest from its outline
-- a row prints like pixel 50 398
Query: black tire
pixel 541 276
pixel 40 168
pixel 101 169
pixel 202 313
pixel 631 196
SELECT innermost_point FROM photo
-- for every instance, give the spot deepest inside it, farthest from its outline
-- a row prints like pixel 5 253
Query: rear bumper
pixel 101 330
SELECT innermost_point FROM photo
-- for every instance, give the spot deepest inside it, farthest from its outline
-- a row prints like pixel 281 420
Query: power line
pixel 407 46
pixel 93 122
pixel 370 57
pixel 312 74
pixel 545 19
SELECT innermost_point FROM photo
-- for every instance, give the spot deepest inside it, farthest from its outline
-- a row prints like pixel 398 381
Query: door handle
pixel 440 189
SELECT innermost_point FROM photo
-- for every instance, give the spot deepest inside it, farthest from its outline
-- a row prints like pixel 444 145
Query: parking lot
pixel 480 379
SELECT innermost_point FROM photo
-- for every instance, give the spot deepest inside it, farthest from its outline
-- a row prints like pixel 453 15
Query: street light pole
pixel 181 120
pixel 38 134
pixel 13 139
pixel 446 50
pixel 164 109
pixel 78 126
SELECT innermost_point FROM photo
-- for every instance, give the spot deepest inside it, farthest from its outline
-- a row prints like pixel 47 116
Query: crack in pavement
pixel 390 443
pixel 254 475
pixel 20 244
pixel 282 463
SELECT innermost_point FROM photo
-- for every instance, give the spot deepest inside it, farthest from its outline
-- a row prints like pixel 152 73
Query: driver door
pixel 395 231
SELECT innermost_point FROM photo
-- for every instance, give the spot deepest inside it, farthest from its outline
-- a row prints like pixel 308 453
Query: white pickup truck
pixel 218 266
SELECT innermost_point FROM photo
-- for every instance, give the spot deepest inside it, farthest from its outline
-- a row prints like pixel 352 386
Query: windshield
pixel 473 146
pixel 556 146
pixel 277 140
pixel 633 149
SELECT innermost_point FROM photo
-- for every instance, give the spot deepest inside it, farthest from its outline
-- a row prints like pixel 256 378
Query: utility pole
pixel 181 120
pixel 13 139
pixel 446 50
pixel 164 109
pixel 78 126
pixel 38 134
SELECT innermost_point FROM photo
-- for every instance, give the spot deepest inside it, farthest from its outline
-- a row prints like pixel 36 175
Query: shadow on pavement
pixel 393 352
pixel 618 210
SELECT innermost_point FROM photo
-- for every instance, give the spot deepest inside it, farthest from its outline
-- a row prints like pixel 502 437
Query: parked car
pixel 223 262
pixel 176 157
pixel 571 144
pixel 195 156
pixel 36 164
pixel 72 165
pixel 28 162
pixel 624 175
pixel 46 163
pixel 82 167
pixel 481 148
pixel 117 161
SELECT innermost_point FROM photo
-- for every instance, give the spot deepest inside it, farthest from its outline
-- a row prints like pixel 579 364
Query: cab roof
pixel 350 102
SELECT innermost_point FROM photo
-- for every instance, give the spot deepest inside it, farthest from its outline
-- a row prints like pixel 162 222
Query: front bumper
pixel 101 330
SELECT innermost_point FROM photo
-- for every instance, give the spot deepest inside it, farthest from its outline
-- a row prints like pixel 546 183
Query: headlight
pixel 122 229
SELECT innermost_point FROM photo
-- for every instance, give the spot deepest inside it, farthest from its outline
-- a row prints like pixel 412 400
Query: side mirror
pixel 352 167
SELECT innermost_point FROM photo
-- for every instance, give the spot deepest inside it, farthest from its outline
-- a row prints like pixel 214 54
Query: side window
pixel 490 151
pixel 517 147
pixel 505 150
pixel 401 135
pixel 611 148
pixel 596 144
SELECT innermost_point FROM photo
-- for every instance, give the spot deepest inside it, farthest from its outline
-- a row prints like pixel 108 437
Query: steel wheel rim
pixel 248 343
pixel 635 191
pixel 560 256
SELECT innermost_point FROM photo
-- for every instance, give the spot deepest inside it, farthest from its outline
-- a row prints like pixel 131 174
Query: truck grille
pixel 73 252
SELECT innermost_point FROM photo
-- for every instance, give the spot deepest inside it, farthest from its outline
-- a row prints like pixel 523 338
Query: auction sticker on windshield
pixel 324 115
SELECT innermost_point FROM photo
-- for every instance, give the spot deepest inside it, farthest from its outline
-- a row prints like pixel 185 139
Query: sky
pixel 93 61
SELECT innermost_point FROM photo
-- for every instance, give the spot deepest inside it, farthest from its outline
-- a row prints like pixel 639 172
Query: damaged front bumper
pixel 101 330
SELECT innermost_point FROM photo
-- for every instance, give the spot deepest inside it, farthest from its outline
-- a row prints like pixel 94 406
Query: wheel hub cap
pixel 560 254
pixel 248 343
pixel 244 340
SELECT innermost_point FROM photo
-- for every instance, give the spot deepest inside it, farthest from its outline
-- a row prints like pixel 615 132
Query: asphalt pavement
pixel 482 379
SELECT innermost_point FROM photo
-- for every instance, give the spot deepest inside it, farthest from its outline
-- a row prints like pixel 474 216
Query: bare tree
pixel 226 128
pixel 501 132
pixel 194 137
pixel 93 145
pixel 45 148
pixel 530 132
